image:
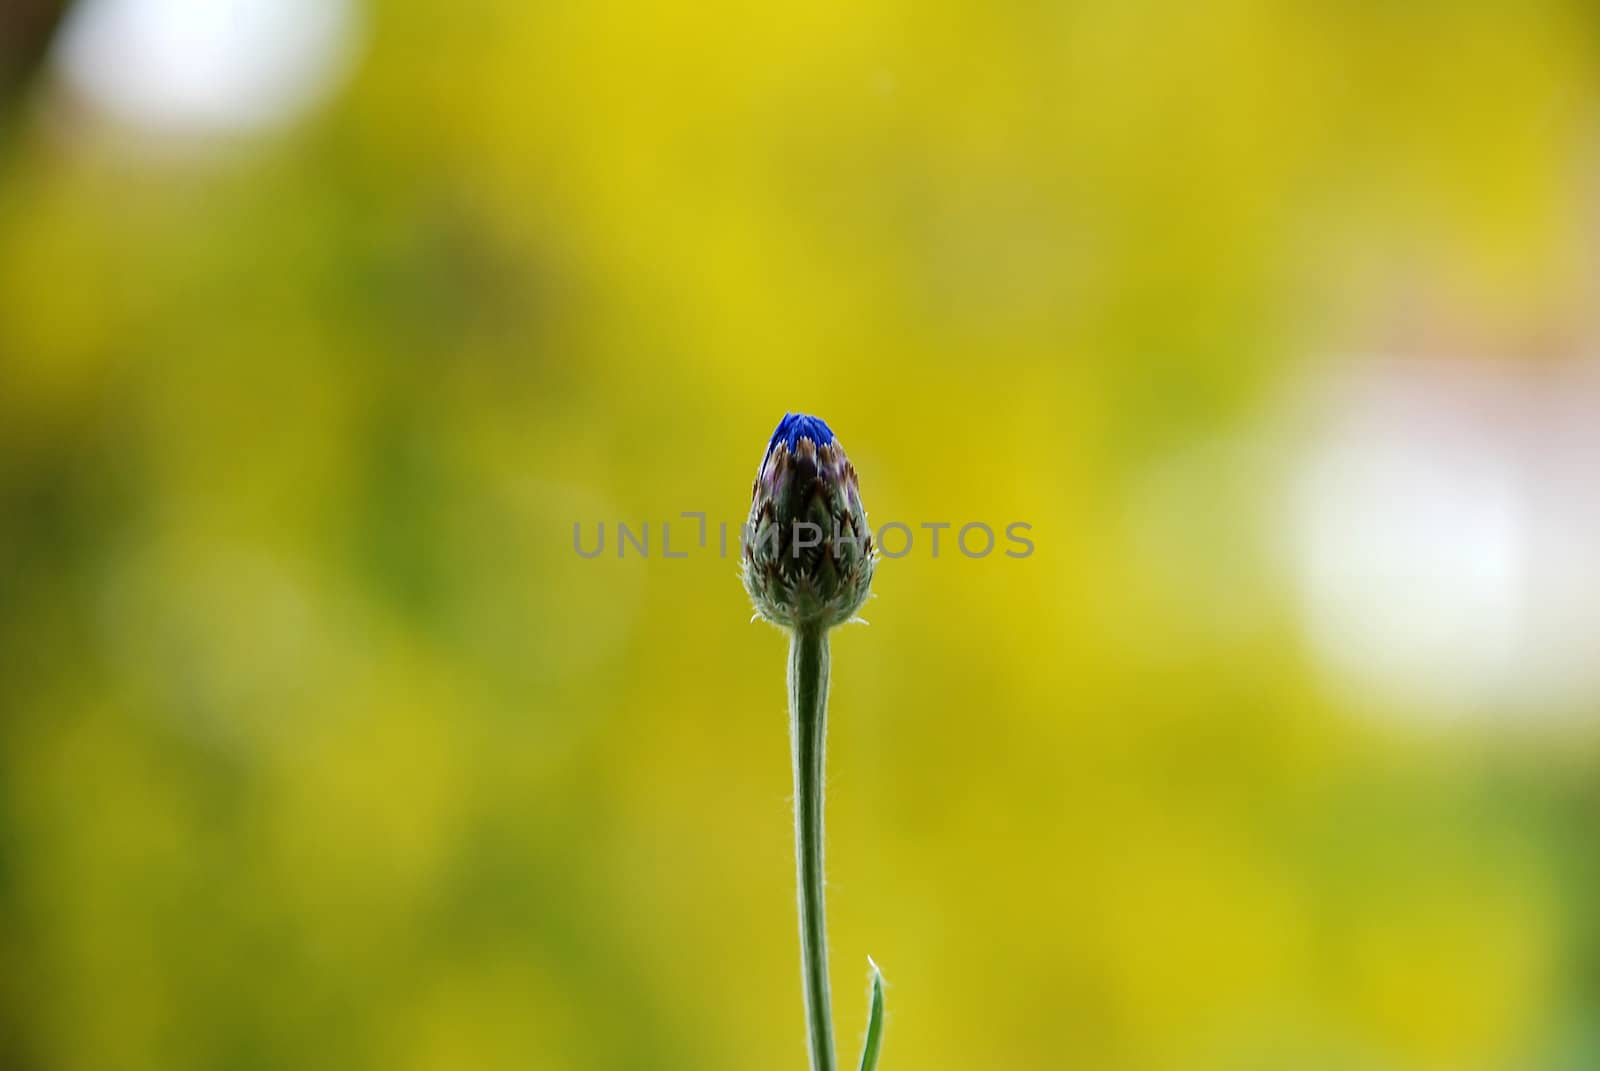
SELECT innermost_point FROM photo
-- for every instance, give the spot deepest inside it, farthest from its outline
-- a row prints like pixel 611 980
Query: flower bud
pixel 808 553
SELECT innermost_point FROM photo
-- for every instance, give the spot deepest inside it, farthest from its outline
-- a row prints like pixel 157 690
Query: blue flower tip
pixel 796 426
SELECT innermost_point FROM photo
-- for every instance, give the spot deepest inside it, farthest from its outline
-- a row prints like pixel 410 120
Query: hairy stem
pixel 808 730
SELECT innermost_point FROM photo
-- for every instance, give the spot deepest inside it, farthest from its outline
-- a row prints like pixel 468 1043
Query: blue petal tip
pixel 796 426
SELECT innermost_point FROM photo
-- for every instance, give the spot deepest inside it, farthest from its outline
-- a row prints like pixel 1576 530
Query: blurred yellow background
pixel 323 323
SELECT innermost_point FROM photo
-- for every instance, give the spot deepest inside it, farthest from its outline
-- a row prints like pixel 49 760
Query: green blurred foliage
pixel 321 747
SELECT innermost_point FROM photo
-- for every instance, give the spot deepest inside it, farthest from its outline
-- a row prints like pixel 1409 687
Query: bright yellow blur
pixel 320 747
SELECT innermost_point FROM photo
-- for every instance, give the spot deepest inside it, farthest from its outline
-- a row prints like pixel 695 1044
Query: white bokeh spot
pixel 206 66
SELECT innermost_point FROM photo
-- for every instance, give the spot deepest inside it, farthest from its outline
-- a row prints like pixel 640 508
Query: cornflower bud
pixel 808 554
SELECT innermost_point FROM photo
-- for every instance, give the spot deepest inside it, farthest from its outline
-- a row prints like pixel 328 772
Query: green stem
pixel 808 731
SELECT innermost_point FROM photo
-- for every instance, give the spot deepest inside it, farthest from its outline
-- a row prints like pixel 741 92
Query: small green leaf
pixel 874 1040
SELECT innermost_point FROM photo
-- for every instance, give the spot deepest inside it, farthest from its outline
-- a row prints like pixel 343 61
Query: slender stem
pixel 808 731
